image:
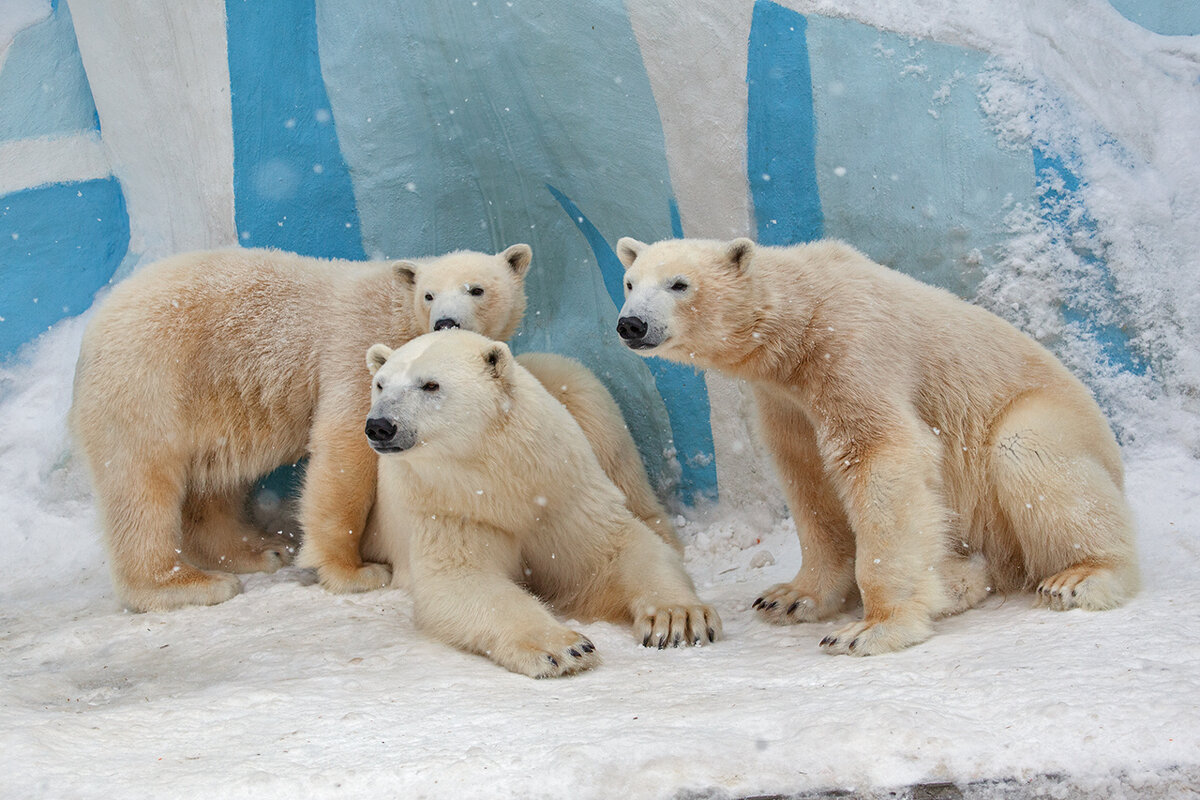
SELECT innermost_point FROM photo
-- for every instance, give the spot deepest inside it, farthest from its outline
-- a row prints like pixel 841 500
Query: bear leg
pixel 339 489
pixel 140 508
pixel 463 596
pixel 901 555
pixel 216 534
pixel 824 585
pixel 1057 480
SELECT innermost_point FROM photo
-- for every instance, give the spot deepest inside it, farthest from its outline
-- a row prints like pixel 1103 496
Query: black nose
pixel 380 429
pixel 445 322
pixel 631 328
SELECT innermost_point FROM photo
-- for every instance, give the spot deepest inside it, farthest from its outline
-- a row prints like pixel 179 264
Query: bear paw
pixel 671 626
pixel 873 638
pixel 561 653
pixel 1082 586
pixel 366 578
pixel 785 603
pixel 182 585
pixel 262 554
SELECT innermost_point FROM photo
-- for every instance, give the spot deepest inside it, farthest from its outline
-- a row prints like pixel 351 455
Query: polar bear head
pixel 684 298
pixel 474 291
pixel 441 391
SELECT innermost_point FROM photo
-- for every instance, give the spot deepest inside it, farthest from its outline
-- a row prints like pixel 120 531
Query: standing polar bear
pixel 490 496
pixel 206 370
pixel 930 452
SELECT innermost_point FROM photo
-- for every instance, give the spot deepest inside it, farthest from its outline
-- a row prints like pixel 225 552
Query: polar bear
pixel 206 370
pixel 491 497
pixel 930 452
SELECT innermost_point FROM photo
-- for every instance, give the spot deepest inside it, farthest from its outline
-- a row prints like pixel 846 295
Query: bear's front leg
pixel 650 584
pixel 824 584
pixel 464 595
pixel 899 522
pixel 339 488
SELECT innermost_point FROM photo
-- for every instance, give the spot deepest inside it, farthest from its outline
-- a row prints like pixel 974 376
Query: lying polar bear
pixel 492 497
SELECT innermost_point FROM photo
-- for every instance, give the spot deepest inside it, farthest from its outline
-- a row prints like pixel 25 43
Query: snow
pixel 288 691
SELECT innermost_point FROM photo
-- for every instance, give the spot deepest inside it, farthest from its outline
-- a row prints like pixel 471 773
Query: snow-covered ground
pixel 287 691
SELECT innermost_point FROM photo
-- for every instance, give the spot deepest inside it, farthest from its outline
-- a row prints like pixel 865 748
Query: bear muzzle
pixel 634 332
pixel 386 437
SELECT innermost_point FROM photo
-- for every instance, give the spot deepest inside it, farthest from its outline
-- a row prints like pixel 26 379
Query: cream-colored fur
pixel 206 370
pixel 930 452
pixel 598 414
pixel 490 497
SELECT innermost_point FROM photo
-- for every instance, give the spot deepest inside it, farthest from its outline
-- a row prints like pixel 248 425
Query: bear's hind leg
pixel 1057 481
pixel 216 534
pixel 140 508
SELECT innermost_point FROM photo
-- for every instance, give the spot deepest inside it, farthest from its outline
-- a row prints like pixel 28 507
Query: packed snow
pixel 288 691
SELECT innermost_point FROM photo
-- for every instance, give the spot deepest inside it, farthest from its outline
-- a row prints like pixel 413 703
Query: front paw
pixel 555 655
pixel 786 603
pixel 873 638
pixel 672 626
pixel 346 580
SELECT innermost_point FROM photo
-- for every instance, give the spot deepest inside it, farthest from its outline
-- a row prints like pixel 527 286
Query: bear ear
pixel 628 250
pixel 739 252
pixel 496 359
pixel 406 271
pixel 518 257
pixel 377 354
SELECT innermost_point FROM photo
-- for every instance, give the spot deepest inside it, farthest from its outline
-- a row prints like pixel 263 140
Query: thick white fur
pixel 930 452
pixel 203 371
pixel 501 511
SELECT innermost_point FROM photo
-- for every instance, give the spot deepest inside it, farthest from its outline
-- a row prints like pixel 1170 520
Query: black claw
pixel 793 607
pixel 678 638
pixel 662 642
pixel 828 640
pixel 552 660
pixel 575 653
pixel 587 646
pixel 758 602
pixel 853 643
pixel 771 605
pixel 646 640
pixel 712 635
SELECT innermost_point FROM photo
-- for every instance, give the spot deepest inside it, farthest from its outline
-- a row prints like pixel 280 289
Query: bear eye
pixel 429 297
pixel 679 286
pixel 430 386
pixel 629 286
pixel 379 385
pixel 475 291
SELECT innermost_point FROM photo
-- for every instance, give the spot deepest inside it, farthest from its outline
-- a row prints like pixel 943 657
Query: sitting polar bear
pixel 490 497
pixel 929 450
pixel 204 371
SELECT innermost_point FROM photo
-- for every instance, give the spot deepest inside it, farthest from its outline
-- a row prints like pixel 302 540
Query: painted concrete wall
pixel 389 129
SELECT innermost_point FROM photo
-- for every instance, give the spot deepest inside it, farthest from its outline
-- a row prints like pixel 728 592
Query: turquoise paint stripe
pixel 1057 182
pixel 59 245
pixel 676 220
pixel 781 128
pixel 683 390
pixel 292 188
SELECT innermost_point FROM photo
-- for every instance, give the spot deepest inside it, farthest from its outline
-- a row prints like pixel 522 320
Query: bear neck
pixel 776 340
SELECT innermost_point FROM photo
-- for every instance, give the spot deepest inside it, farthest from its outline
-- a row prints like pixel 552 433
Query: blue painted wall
pixel 59 245
pixel 456 125
pixel 292 188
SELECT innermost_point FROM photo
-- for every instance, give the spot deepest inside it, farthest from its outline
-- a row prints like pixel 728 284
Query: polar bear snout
pixel 631 328
pixel 386 437
pixel 446 322
pixel 637 334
